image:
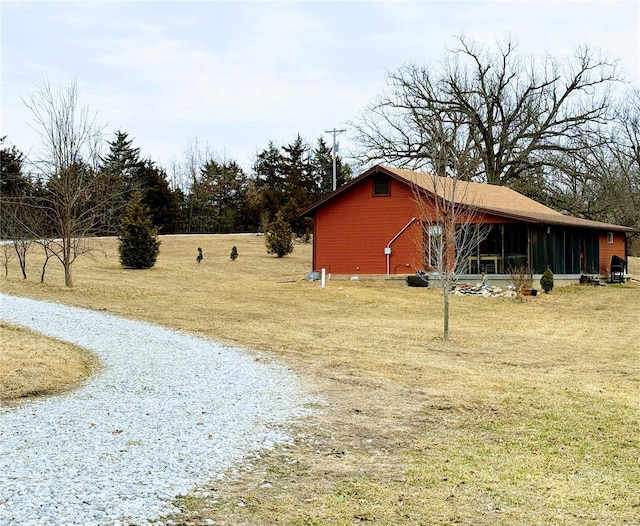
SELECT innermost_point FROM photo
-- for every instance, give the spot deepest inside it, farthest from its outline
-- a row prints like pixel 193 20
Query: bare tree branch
pixel 75 200
pixel 513 111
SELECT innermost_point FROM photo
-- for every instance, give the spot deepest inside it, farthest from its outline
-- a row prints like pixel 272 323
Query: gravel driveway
pixel 167 412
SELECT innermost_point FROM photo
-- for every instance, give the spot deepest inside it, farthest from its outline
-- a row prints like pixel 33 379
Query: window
pixel 381 185
pixel 609 237
pixel 432 243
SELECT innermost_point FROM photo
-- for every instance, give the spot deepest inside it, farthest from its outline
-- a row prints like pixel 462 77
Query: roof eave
pixel 497 212
pixel 588 223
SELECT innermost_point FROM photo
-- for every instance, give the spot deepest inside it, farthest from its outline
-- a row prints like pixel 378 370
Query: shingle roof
pixel 495 199
pixel 488 198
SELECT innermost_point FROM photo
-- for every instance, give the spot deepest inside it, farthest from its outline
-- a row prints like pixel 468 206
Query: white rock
pixel 124 445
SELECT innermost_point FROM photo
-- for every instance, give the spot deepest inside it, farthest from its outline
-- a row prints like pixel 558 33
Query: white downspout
pixel 387 249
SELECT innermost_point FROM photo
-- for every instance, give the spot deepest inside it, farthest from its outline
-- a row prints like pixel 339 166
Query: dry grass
pixel 529 415
pixel 33 365
pixel 634 267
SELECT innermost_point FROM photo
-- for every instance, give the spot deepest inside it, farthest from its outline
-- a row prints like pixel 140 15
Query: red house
pixel 374 226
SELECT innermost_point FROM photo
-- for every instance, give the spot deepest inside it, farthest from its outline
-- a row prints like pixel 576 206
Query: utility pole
pixel 334 132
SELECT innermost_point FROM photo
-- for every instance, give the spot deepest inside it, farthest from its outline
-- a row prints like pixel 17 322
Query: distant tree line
pixel 218 197
pixel 59 207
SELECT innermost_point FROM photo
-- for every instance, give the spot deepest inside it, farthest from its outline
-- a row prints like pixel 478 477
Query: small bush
pixel 279 237
pixel 234 253
pixel 546 281
pixel 521 279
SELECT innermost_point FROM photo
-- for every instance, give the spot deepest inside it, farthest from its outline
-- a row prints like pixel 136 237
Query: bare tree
pixel 452 229
pixel 75 199
pixel 512 111
pixel 626 152
pixel 15 185
pixel 14 231
pixel 452 225
pixel 7 253
pixel 602 181
pixel 25 222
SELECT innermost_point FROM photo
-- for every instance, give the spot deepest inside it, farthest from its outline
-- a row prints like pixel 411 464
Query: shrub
pixel 546 281
pixel 234 253
pixel 521 278
pixel 138 240
pixel 279 237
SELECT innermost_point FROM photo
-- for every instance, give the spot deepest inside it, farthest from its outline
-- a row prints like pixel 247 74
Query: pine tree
pixel 234 253
pixel 322 163
pixel 279 237
pixel 119 170
pixel 138 239
pixel 300 185
pixel 158 196
pixel 546 281
pixel 13 180
pixel 219 197
pixel 123 161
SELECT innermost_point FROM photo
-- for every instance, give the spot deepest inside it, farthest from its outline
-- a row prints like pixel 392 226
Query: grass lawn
pixel 529 415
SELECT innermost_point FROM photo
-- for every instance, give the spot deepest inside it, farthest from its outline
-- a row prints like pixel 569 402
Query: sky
pixel 236 75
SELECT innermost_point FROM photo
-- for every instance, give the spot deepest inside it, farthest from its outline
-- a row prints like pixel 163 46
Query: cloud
pixel 238 74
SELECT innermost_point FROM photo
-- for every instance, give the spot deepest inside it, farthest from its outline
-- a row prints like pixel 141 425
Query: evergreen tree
pixel 323 169
pixel 300 185
pixel 157 195
pixel 290 180
pixel 138 239
pixel 13 181
pixel 270 181
pixel 119 170
pixel 219 198
pixel 234 253
pixel 279 237
pixel 126 173
pixel 123 162
pixel 546 281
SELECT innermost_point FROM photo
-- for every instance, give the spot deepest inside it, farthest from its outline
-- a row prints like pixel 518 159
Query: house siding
pixel 607 250
pixel 352 231
pixel 353 227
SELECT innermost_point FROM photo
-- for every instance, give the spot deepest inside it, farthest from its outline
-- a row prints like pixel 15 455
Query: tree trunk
pixel 22 259
pixel 68 282
pixel 445 318
pixel 66 256
pixel 47 256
